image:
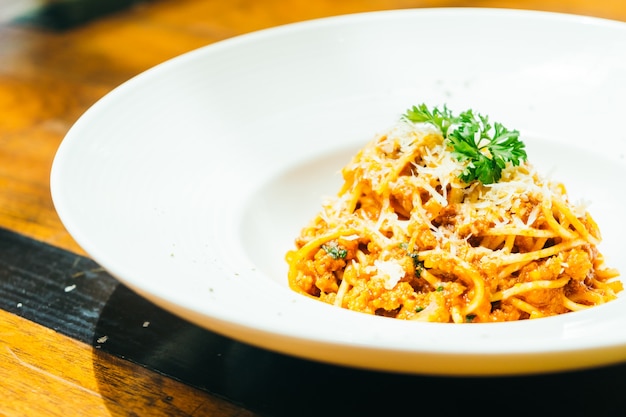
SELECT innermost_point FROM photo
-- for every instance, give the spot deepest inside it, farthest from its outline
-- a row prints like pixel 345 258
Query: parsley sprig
pixel 484 148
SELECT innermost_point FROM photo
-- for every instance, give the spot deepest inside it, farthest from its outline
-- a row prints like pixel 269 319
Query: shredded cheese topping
pixel 413 241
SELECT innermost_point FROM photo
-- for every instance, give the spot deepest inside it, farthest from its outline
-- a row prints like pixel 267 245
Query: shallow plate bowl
pixel 190 181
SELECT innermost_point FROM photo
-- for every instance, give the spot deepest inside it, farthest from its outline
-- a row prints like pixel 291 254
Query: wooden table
pixel 73 341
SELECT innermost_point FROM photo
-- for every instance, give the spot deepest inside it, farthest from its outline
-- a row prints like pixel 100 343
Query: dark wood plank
pixel 56 288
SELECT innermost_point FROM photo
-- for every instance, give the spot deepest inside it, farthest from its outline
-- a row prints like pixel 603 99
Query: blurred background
pixel 63 14
pixel 59 14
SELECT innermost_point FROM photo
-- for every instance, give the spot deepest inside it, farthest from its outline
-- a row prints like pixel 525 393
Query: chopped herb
pixel 439 288
pixel 470 318
pixel 485 148
pixel 418 309
pixel 417 264
pixel 335 251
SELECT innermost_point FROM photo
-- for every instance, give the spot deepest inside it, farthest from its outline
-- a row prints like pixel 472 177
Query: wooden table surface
pixel 54 63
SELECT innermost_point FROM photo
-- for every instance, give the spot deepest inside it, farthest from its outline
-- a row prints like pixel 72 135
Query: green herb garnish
pixel 335 251
pixel 485 148
pixel 417 264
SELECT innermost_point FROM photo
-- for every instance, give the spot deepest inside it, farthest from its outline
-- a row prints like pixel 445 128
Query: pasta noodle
pixel 406 238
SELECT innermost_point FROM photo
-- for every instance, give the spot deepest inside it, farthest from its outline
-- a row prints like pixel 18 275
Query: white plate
pixel 190 181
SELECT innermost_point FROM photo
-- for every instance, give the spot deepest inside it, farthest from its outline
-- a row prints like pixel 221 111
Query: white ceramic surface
pixel 190 181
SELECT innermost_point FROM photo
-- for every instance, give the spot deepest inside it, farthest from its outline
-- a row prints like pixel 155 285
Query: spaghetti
pixel 407 238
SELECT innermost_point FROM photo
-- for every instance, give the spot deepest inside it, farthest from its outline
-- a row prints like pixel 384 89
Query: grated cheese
pixel 390 271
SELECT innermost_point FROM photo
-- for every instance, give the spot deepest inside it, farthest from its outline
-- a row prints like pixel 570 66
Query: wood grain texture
pixel 44 373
